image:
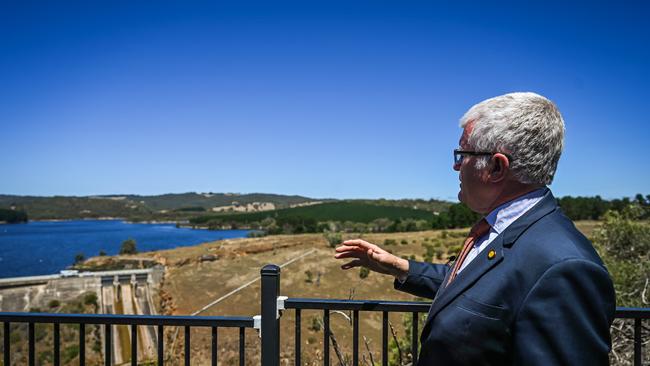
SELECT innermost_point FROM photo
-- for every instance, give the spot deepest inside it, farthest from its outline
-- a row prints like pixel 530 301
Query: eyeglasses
pixel 460 154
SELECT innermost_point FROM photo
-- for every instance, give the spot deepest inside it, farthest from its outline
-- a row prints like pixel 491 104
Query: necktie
pixel 479 229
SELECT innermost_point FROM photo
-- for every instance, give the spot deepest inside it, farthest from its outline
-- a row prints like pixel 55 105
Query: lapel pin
pixel 492 254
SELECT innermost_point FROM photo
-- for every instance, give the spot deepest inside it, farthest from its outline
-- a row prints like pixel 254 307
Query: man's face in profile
pixel 474 190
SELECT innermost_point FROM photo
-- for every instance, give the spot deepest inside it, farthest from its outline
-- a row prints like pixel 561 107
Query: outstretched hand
pixel 372 257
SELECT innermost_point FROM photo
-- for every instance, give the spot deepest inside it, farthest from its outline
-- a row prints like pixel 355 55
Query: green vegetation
pixel 90 298
pixel 593 208
pixel 399 348
pixel 458 215
pixel 344 216
pixel 256 234
pixel 12 216
pixel 623 241
pixel 363 272
pixel 378 216
pixel 191 209
pixel 310 276
pixel 137 208
pixel 332 211
pixel 79 258
pixel 70 352
pixel 128 247
pixel 333 239
pixel 430 205
pixel 69 335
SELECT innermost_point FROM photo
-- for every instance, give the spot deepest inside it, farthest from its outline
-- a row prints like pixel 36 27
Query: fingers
pixel 351 264
pixel 346 248
pixel 359 243
pixel 349 254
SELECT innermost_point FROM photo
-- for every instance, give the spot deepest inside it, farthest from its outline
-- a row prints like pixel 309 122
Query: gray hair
pixel 526 126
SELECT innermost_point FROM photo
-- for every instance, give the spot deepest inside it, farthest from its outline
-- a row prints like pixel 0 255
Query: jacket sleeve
pixel 565 318
pixel 423 279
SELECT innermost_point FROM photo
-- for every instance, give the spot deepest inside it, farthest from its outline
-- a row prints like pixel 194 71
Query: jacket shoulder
pixel 554 239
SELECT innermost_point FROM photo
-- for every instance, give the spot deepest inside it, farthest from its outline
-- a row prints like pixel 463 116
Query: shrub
pixel 404 242
pixel 624 242
pixel 256 234
pixel 128 247
pixel 310 276
pixel 53 304
pixel 45 356
pixel 70 352
pixel 333 239
pixel 90 298
pixel 315 324
pixel 80 257
pixel 439 253
pixel 428 254
pixel 363 272
pixel 388 242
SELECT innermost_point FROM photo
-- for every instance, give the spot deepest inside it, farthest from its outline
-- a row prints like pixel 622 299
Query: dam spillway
pixel 117 292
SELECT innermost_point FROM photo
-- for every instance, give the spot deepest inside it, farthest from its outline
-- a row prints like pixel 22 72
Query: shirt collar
pixel 505 214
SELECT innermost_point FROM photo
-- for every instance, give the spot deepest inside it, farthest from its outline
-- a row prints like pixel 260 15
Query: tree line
pixel 593 208
pixel 457 215
pixel 12 216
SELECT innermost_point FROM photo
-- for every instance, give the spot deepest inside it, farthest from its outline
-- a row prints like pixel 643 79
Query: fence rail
pixel 271 306
pixel 109 320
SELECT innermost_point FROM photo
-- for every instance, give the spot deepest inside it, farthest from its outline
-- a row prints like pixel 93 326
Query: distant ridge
pixel 139 207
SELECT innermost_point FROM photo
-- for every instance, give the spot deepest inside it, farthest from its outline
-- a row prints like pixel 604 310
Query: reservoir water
pixel 38 248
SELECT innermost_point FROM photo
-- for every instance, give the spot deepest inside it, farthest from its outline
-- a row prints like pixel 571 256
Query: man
pixel 527 287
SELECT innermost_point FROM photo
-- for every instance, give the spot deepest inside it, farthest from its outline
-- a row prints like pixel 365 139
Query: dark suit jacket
pixel 544 298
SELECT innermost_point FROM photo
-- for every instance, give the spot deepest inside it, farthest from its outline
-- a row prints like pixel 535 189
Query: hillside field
pixel 331 211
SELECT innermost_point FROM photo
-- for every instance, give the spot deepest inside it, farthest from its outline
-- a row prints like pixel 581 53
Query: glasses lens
pixel 458 157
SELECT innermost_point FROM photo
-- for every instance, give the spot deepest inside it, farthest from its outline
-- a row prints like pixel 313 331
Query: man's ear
pixel 499 167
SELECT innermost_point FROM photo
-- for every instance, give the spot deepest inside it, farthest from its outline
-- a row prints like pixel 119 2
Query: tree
pixel 128 247
pixel 80 257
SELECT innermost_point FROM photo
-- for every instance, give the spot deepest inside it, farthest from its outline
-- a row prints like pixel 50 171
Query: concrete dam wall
pixel 118 292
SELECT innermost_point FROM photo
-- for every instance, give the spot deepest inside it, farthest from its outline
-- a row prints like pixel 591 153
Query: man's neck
pixel 513 191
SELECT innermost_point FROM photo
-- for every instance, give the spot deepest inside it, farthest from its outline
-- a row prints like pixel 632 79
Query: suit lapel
pixel 469 275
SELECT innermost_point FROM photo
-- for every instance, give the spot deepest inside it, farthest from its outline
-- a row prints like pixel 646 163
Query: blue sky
pixel 325 100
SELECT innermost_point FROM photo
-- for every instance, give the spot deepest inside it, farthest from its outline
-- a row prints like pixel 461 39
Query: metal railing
pixel 385 307
pixel 272 304
pixel 109 320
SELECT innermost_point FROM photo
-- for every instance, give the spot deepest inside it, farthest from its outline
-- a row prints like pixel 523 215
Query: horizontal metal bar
pixel 632 313
pixel 193 321
pixel 367 305
pixel 411 306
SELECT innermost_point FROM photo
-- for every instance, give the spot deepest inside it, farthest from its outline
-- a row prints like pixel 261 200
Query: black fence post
pixel 270 317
